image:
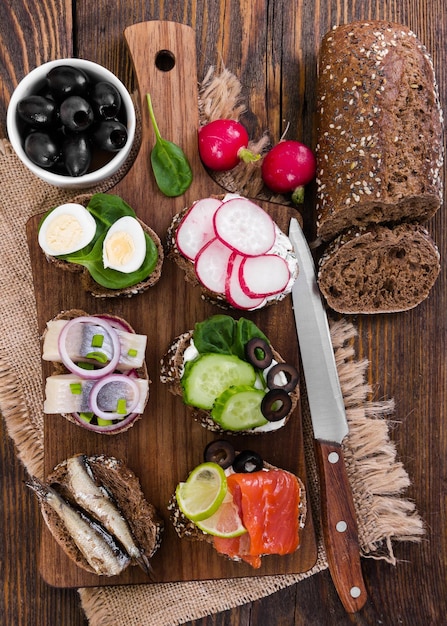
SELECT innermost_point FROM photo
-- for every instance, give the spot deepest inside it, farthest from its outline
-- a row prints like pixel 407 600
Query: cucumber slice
pixel 239 408
pixel 208 376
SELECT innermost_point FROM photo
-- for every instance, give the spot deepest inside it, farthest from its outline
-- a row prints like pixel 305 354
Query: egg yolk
pixel 119 248
pixel 63 233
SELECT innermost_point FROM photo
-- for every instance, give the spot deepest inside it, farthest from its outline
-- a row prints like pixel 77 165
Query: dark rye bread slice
pixel 143 519
pixel 171 368
pixel 59 368
pixel 379 128
pixel 379 270
pixel 186 529
pixel 98 291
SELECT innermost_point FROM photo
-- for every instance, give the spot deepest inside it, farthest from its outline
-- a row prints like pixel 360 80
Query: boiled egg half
pixel 66 229
pixel 124 247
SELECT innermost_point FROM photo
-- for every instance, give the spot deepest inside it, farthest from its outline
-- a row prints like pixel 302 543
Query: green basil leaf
pixel 170 165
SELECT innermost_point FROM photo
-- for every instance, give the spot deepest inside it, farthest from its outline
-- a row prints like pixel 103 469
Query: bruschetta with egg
pixel 102 240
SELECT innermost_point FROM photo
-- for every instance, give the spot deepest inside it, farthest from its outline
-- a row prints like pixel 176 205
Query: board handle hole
pixel 165 60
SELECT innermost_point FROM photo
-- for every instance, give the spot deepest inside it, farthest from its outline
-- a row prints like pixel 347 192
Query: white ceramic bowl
pixel 30 84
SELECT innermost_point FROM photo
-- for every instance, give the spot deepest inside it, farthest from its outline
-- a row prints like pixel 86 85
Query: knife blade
pixel 330 426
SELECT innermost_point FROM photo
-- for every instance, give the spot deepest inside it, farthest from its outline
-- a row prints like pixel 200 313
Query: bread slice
pixel 379 269
pixel 379 128
pixel 59 368
pixel 123 486
pixel 171 370
pixel 98 291
pixel 186 529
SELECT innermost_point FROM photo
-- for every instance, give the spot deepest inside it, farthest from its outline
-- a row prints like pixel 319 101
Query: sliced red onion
pixel 115 323
pixel 76 369
pixel 119 378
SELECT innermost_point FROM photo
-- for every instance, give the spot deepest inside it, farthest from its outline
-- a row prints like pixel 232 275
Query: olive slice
pixel 247 461
pixel 289 371
pixel 220 452
pixel 276 404
pixel 258 352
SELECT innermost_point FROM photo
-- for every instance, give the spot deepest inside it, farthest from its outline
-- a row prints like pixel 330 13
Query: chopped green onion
pixel 121 406
pixel 132 352
pixel 102 422
pixel 87 417
pixel 98 356
pixel 76 389
pixel 86 366
pixel 97 341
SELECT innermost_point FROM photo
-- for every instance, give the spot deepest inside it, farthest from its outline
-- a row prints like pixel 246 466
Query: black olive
pixel 37 111
pixel 220 452
pixel 247 461
pixel 77 155
pixel 106 100
pixel 276 404
pixel 42 149
pixel 258 352
pixel 289 372
pixel 76 114
pixel 65 80
pixel 110 135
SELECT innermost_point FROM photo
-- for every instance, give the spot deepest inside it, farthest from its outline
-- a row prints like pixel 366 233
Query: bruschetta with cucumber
pixel 231 377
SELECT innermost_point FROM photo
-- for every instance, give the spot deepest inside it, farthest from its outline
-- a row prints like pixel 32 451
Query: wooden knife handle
pixel 339 526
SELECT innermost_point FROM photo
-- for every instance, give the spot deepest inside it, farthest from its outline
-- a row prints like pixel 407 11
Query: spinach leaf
pixel 170 165
pixel 107 209
pixel 223 335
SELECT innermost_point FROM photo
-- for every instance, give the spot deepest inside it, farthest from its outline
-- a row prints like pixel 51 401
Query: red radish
pixel 287 167
pixel 211 265
pixel 264 275
pixel 233 290
pixel 243 226
pixel 197 227
pixel 223 143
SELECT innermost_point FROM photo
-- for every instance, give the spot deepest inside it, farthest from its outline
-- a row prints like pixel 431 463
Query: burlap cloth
pixel 377 477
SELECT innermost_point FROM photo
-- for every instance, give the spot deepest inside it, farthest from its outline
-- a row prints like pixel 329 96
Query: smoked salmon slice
pixel 269 506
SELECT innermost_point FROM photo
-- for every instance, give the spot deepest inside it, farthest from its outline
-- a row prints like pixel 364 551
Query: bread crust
pixel 59 368
pixel 171 372
pixel 379 128
pixel 124 486
pixel 379 269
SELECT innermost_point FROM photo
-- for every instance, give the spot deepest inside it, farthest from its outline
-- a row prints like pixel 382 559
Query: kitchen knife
pixel 330 427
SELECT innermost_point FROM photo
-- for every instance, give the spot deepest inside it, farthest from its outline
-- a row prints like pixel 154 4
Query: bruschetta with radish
pixel 234 251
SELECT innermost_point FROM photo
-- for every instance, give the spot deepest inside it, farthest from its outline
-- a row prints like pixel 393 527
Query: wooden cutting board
pixel 166 444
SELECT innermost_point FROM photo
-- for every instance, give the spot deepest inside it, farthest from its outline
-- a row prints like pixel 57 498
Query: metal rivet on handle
pixel 355 592
pixel 333 457
pixel 341 526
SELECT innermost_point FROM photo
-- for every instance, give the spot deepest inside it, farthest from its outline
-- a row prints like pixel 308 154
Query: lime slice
pixel 225 522
pixel 203 492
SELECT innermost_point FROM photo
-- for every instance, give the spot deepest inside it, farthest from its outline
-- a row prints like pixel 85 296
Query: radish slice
pixel 116 392
pixel 264 275
pixel 197 228
pixel 244 227
pixel 76 369
pixel 211 265
pixel 233 290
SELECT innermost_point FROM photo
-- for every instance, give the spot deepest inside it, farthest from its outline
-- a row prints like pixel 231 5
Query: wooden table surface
pixel 271 47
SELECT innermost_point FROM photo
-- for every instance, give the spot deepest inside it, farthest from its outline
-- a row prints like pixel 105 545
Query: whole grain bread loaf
pixel 379 128
pixel 379 269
